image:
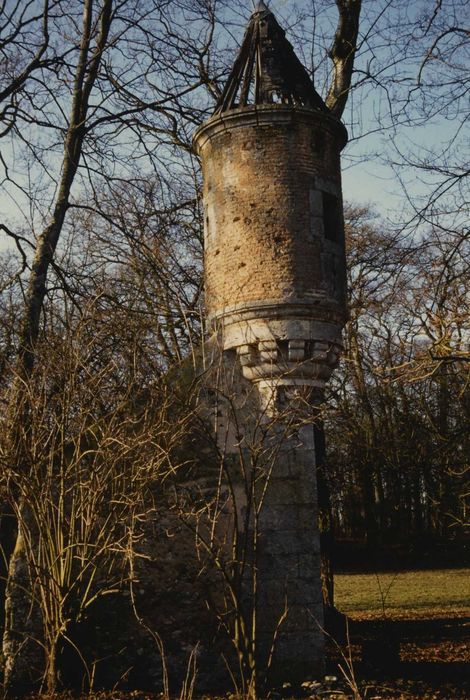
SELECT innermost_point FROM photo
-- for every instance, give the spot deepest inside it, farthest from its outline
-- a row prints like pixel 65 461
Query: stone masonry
pixel 275 296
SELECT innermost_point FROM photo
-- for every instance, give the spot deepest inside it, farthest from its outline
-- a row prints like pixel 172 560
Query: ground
pixel 409 639
pixel 409 633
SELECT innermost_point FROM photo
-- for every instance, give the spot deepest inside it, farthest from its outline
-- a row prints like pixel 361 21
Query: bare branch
pixel 342 54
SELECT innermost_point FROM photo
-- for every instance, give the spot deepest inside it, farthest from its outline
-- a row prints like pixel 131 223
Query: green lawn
pixel 404 592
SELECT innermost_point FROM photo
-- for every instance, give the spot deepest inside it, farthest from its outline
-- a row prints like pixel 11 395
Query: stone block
pixel 247 354
pixel 291 491
pixel 320 351
pixel 268 350
pixel 296 516
pixel 293 542
pixel 296 352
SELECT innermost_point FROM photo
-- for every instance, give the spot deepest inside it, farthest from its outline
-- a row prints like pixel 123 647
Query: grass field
pixel 413 593
pixel 426 616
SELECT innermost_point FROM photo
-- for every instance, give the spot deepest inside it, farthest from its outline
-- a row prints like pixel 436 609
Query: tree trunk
pixel 342 54
pixel 51 672
pixel 18 648
pixel 325 517
pixel 368 499
pixel 21 642
pixel 7 544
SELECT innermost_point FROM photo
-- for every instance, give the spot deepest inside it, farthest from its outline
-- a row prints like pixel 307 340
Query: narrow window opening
pixel 283 349
pixel 332 221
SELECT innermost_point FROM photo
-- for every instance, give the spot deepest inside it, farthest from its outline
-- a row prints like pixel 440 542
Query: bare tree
pixel 88 68
pixel 398 411
pixel 96 444
pixel 342 54
pixel 100 100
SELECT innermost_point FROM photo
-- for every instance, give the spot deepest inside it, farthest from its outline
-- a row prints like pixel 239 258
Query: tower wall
pixel 275 293
pixel 274 238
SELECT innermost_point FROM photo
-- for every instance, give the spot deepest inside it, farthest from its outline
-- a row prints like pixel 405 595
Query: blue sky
pixel 390 118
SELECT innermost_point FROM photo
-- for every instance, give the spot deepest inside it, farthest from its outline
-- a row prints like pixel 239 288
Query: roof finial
pixel 261 6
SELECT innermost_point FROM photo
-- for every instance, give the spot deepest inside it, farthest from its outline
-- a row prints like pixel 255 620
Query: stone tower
pixel 275 297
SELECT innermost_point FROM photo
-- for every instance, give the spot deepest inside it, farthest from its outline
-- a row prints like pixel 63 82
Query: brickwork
pixel 275 293
pixel 264 179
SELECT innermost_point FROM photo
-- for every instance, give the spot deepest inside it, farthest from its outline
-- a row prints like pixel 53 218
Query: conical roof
pixel 267 69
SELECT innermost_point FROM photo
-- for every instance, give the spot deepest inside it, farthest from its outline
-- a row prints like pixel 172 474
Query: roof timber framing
pixel 267 69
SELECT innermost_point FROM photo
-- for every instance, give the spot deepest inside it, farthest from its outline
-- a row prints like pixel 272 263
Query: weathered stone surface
pixel 264 180
pixel 275 293
pixel 290 541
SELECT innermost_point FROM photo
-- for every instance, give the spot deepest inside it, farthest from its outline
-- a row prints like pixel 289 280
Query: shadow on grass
pixel 428 653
